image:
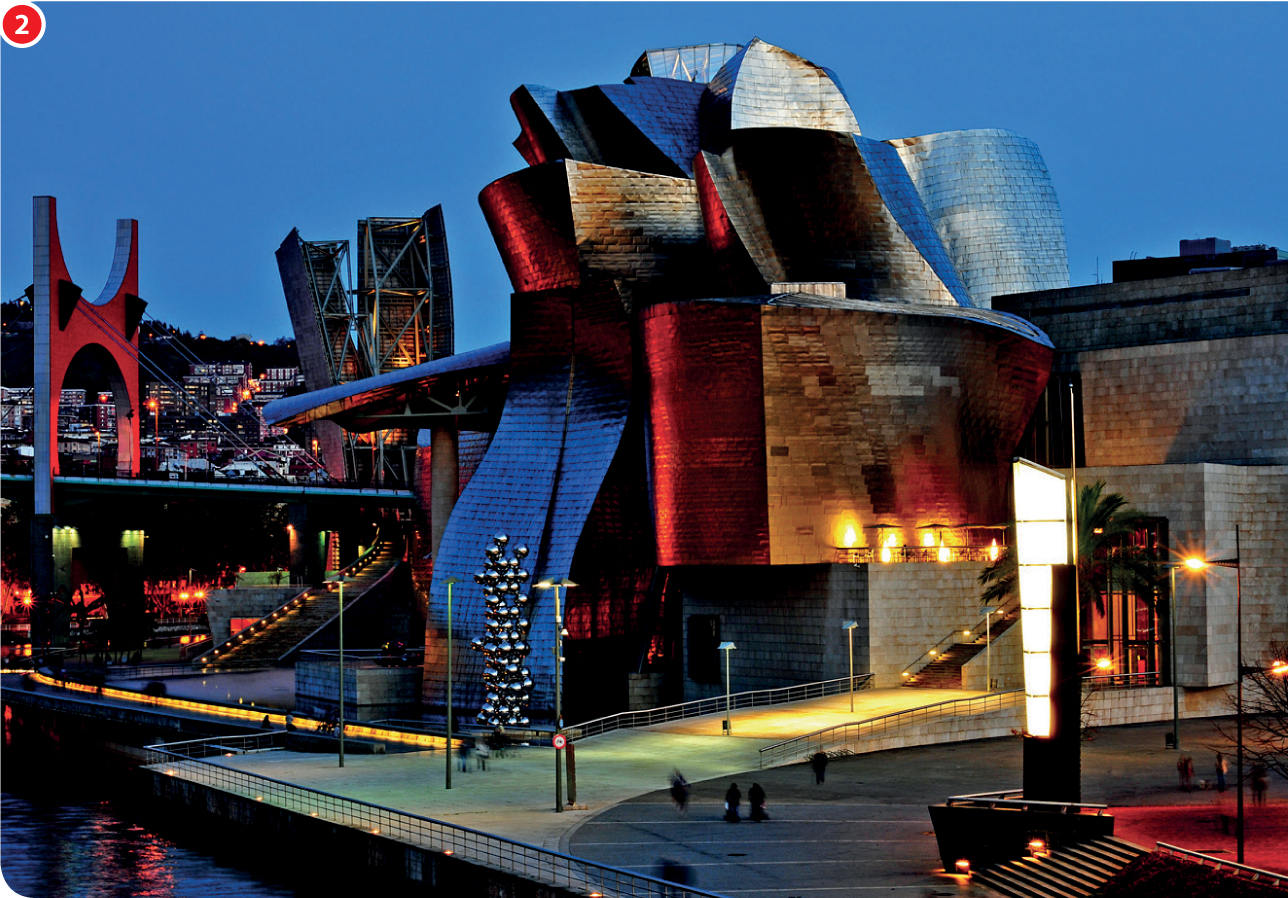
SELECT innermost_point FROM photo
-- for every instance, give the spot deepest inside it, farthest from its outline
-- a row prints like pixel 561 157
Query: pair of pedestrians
pixel 755 797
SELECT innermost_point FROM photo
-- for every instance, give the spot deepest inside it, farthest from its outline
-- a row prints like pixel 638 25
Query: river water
pixel 71 826
pixel 93 849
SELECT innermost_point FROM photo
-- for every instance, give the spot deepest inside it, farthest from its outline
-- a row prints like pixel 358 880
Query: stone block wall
pixel 370 692
pixel 784 620
pixel 1206 400
pixel 914 606
pixel 1007 663
pixel 1118 707
pixel 1203 503
pixel 222 605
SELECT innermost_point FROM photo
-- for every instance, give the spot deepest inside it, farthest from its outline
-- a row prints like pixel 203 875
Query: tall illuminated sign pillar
pixel 1049 623
pixel 1041 541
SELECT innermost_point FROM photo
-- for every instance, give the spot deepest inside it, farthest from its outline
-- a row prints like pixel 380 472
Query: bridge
pixel 72 488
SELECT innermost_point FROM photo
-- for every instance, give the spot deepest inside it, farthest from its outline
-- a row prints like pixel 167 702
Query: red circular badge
pixel 560 741
pixel 24 25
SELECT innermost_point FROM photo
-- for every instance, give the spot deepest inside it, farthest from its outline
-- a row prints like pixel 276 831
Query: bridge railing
pixel 756 698
pixel 802 747
pixel 190 760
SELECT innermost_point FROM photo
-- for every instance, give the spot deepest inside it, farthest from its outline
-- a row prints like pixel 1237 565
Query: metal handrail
pixel 1254 874
pixel 1004 609
pixel 988 798
pixel 809 744
pixel 368 556
pixel 755 698
pixel 187 759
pixel 1123 681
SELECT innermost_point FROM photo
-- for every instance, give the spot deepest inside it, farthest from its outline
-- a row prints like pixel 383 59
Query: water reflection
pixel 90 850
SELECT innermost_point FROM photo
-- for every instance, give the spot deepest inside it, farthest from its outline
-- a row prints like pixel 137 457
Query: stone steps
pixel 945 672
pixel 1075 871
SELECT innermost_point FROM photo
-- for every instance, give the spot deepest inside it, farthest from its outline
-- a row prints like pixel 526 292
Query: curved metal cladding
pixel 990 196
pixel 564 415
pixel 531 222
pixel 815 206
pixel 706 432
pixel 768 87
pixel 736 272
pixel 566 221
pixel 547 130
pixel 775 426
pixel 890 414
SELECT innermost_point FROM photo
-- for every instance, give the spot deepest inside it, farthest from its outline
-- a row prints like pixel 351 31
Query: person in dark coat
pixel 679 791
pixel 733 798
pixel 756 798
pixel 819 762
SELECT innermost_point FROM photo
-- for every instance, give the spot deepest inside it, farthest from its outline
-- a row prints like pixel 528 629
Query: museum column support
pixel 444 485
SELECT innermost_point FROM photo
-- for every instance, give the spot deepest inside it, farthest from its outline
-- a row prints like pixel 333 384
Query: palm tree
pixel 1105 525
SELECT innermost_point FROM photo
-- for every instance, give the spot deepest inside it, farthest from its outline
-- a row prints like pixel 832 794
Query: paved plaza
pixel 864 830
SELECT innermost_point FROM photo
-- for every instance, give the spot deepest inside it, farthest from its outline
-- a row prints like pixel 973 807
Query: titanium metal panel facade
pixel 994 207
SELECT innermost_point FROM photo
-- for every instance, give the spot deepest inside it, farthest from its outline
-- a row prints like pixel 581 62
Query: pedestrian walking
pixel 290 721
pixel 819 762
pixel 1185 770
pixel 1258 778
pixel 1222 767
pixel 483 751
pixel 733 798
pixel 465 755
pixel 756 798
pixel 679 791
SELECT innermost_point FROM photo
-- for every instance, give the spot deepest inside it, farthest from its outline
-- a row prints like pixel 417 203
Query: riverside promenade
pixel 865 829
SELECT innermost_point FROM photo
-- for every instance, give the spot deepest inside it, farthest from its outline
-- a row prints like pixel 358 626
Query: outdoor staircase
pixel 945 672
pixel 274 637
pixel 1075 871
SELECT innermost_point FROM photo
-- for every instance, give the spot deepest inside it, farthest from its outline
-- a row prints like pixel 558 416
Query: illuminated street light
pixel 450 581
pixel 550 583
pixel 340 579
pixel 849 626
pixel 1199 564
pixel 727 647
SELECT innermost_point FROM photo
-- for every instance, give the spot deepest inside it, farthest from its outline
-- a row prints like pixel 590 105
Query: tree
pixel 1265 715
pixel 1105 526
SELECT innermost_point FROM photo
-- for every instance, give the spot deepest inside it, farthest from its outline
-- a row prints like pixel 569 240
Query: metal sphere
pixel 500 539
pixel 520 551
pixel 512 668
pixel 522 599
pixel 492 552
pixel 488 708
pixel 523 721
pixel 527 683
pixel 521 575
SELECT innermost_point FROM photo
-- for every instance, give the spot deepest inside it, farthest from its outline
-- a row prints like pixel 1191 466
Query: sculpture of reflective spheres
pixel 741 329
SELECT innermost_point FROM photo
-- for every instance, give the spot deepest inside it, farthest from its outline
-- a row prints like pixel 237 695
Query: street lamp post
pixel 339 579
pixel 727 647
pixel 450 581
pixel 988 650
pixel 551 583
pixel 848 627
pixel 1199 564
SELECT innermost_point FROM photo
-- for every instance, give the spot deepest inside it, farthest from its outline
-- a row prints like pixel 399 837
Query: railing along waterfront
pixel 1000 800
pixel 1123 681
pixel 1253 874
pixel 188 760
pixel 830 737
pixel 756 698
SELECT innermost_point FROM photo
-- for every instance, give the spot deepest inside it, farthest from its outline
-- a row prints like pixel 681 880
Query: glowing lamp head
pixel 963 867
pixel 1103 664
pixel 993 551
pixel 945 553
pixel 851 538
pixel 886 554
pixel 1279 668
pixel 1195 564
pixel 928 540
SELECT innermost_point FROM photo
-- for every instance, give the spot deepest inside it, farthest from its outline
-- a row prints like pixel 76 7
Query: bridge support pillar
pixel 44 586
pixel 444 474
pixel 308 567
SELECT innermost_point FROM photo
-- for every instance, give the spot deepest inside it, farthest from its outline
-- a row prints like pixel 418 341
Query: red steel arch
pixel 108 324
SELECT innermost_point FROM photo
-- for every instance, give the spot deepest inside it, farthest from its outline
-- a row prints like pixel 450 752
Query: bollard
pixel 572 775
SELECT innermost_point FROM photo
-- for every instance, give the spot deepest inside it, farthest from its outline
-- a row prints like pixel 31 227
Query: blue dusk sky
pixel 220 126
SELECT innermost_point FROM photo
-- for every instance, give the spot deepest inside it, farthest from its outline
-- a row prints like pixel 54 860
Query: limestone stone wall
pixel 914 606
pixel 1118 707
pixel 1007 663
pixel 785 621
pixel 1203 503
pixel 370 692
pixel 1206 400
pixel 222 605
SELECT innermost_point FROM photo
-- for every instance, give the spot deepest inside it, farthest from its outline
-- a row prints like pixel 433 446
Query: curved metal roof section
pixel 375 402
